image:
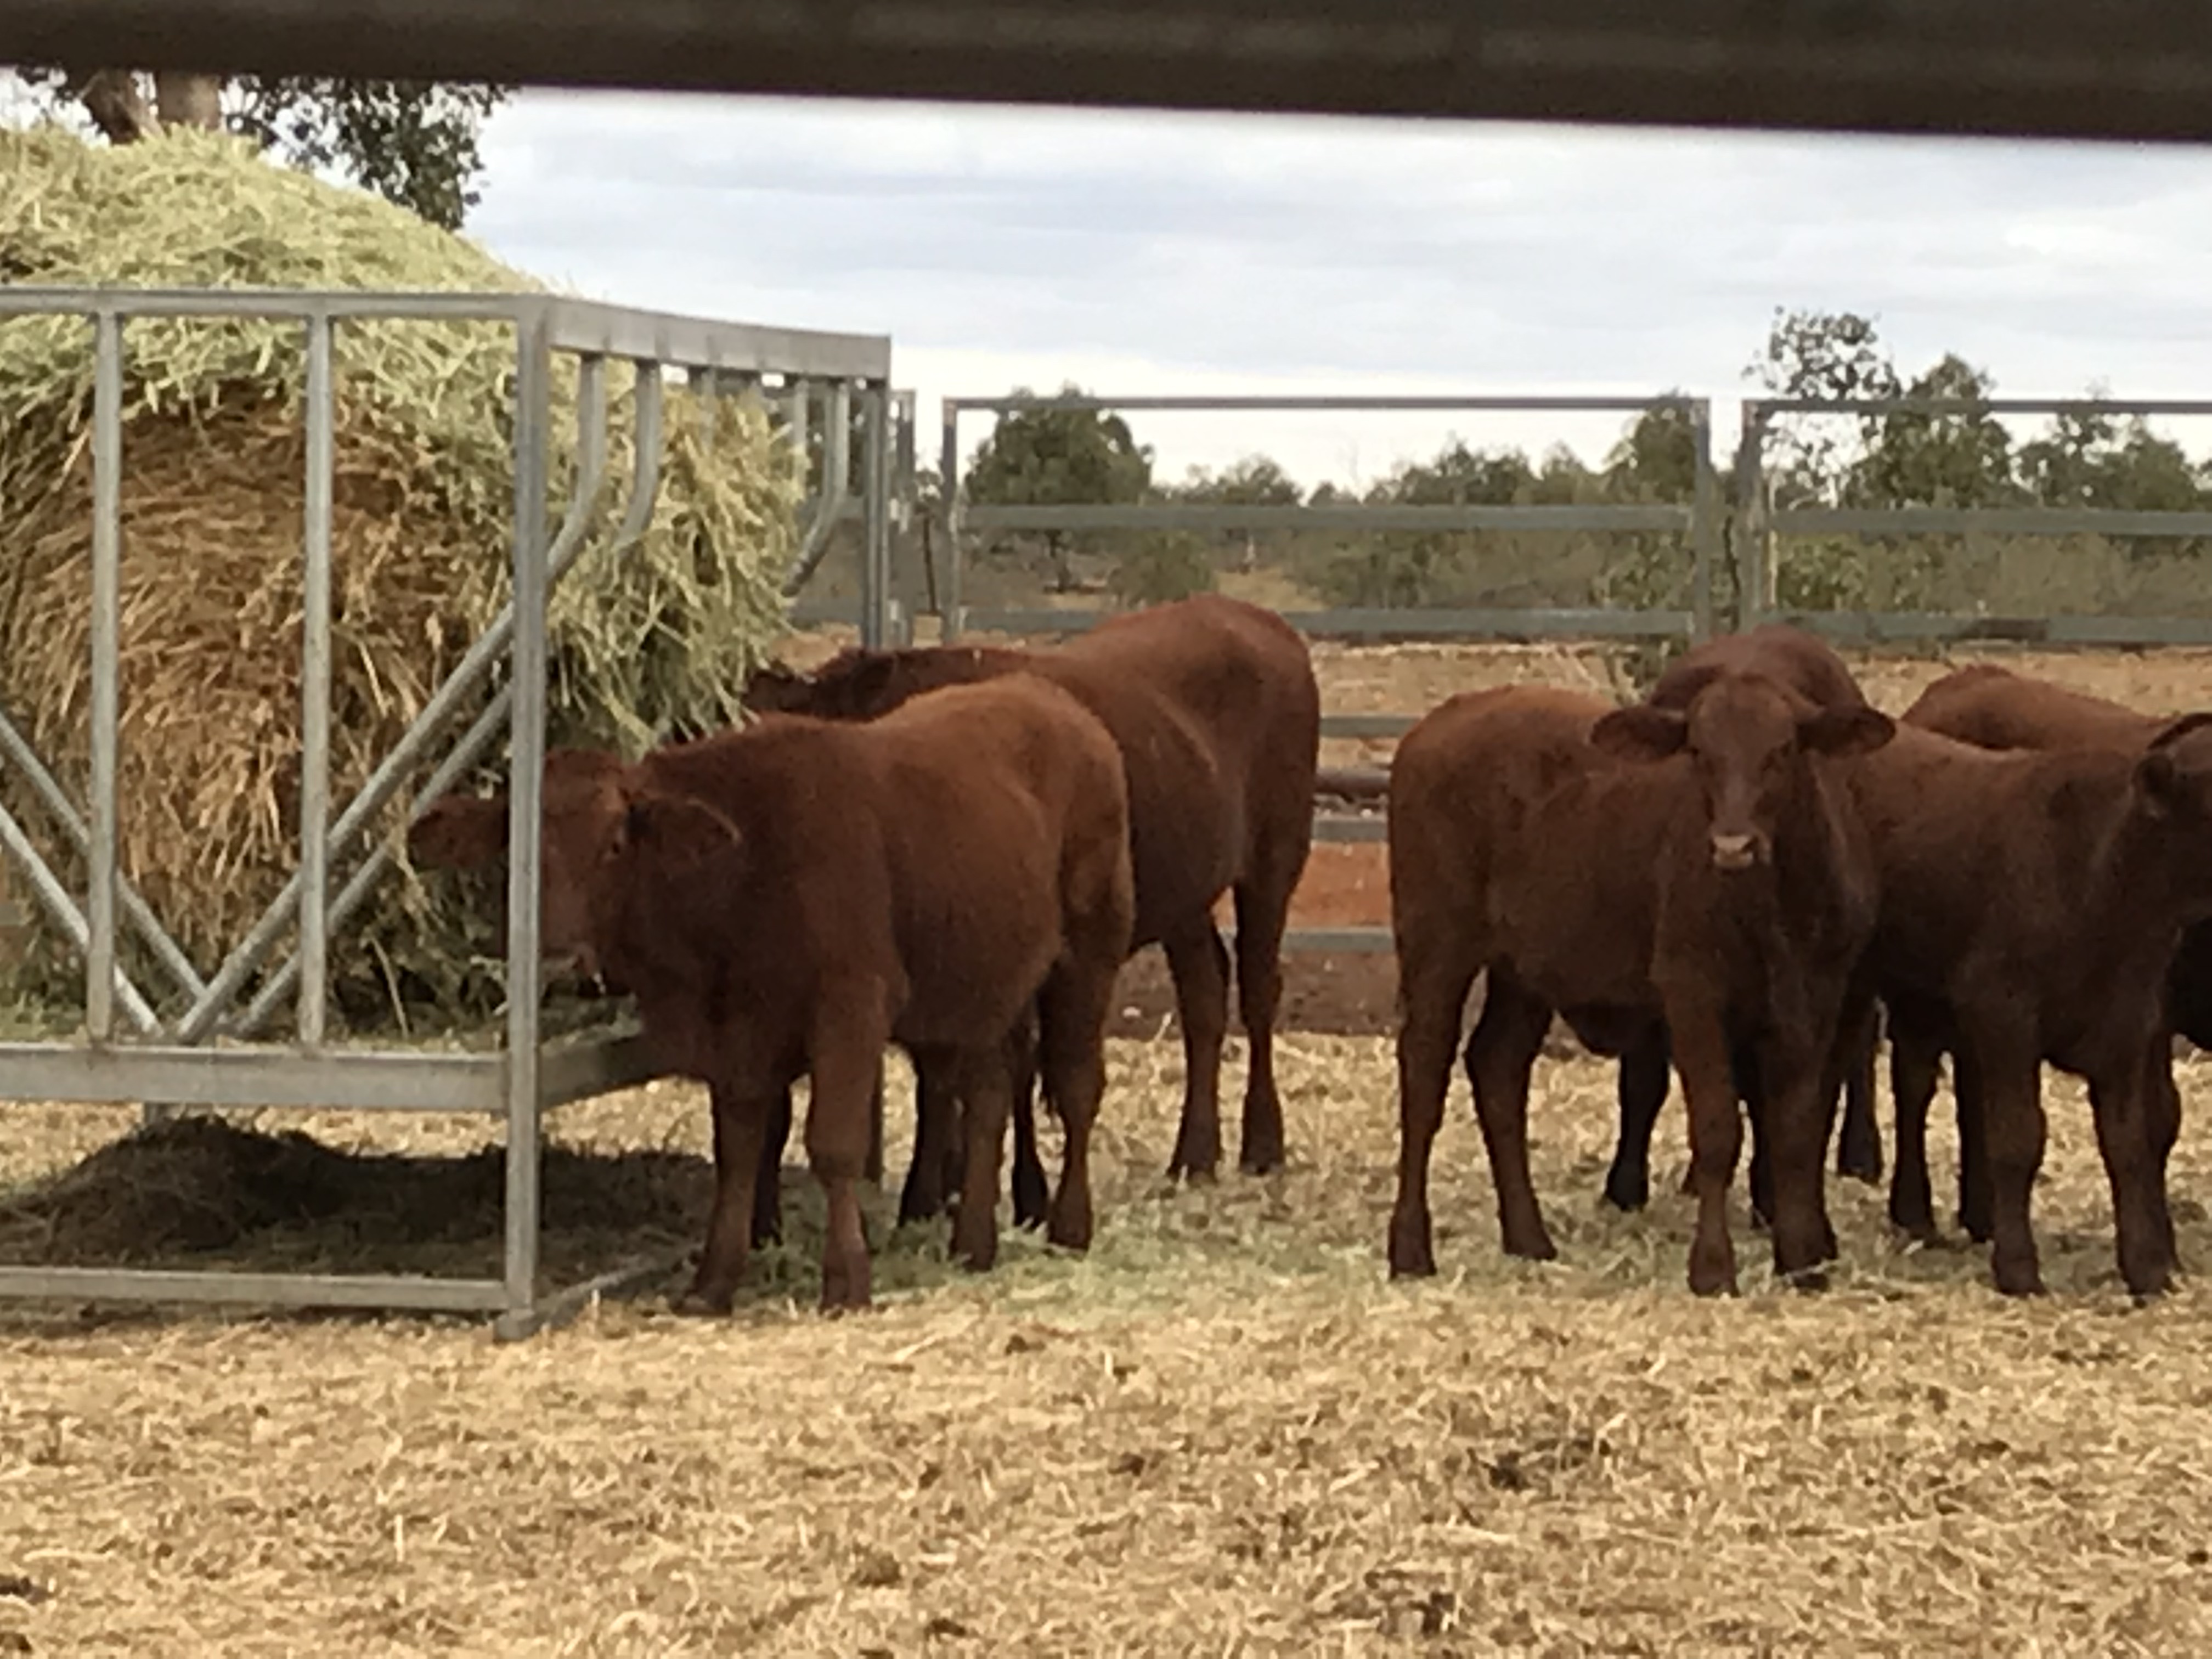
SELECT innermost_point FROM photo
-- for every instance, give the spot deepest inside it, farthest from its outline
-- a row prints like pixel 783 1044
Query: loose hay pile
pixel 657 643
pixel 1223 1433
pixel 202 1193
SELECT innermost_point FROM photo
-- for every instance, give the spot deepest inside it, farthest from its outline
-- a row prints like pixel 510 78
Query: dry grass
pixel 1224 1432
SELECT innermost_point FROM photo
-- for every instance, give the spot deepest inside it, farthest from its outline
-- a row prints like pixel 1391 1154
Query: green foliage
pixel 413 143
pixel 1965 457
pixel 1059 457
pixel 1655 461
pixel 1434 567
pixel 1159 569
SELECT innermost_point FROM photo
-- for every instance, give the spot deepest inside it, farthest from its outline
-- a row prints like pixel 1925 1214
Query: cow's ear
pixel 679 832
pixel 2158 782
pixel 1640 731
pixel 460 832
pixel 2180 727
pixel 1842 732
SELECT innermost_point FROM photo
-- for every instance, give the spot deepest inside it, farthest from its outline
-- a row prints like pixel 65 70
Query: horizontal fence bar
pixel 1179 515
pixel 220 1285
pixel 585 325
pixel 288 304
pixel 1367 725
pixel 700 343
pixel 1344 828
pixel 1758 406
pixel 1503 404
pixel 1899 627
pixel 1517 627
pixel 1987 520
pixel 353 1080
pixel 1339 941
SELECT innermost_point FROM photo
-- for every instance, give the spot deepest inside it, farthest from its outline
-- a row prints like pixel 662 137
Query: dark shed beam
pixel 2109 68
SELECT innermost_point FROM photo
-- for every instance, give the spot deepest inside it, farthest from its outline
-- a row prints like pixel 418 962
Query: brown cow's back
pixel 954 799
pixel 1214 708
pixel 1995 708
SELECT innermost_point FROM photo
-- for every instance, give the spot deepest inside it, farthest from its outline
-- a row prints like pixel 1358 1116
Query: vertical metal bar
pixel 909 592
pixel 875 520
pixel 1705 521
pixel 525 787
pixel 107 656
pixel 1751 557
pixel 837 452
pixel 948 497
pixel 315 693
pixel 798 415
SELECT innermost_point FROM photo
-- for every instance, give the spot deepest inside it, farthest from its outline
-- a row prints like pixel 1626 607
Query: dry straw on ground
pixel 213 501
pixel 1224 1432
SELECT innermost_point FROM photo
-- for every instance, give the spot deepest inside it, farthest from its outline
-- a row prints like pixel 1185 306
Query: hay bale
pixel 654 644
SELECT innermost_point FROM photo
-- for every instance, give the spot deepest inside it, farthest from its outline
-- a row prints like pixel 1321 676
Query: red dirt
pixel 1345 885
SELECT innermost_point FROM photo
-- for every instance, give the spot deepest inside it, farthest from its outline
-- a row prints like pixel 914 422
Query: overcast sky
pixel 1169 253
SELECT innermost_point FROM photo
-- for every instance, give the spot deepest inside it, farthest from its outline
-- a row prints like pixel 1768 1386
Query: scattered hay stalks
pixel 657 643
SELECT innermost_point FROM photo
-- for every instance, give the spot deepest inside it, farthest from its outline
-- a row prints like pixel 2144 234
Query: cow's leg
pixel 851 1030
pixel 1701 1056
pixel 1071 1013
pixel 1501 1053
pixel 741 1125
pixel 935 1170
pixel 1915 1057
pixel 985 1091
pixel 1200 966
pixel 1434 977
pixel 1646 1072
pixel 768 1185
pixel 1263 908
pixel 2009 1065
pixel 1851 1071
pixel 1792 1128
pixel 1031 1197
pixel 2121 1106
pixel 1967 1112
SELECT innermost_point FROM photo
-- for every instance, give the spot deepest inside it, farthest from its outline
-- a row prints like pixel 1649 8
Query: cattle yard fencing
pixel 1760 524
pixel 213 1054
pixel 1700 521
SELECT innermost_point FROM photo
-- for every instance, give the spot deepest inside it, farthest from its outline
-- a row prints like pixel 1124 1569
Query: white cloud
pixel 1144 252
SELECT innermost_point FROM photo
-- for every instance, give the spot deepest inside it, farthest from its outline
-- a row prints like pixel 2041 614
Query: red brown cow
pixel 1811 667
pixel 1213 704
pixel 1711 876
pixel 2030 903
pixel 1994 708
pixel 789 898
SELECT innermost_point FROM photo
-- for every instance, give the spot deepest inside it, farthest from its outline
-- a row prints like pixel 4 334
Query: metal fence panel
pixel 178 1062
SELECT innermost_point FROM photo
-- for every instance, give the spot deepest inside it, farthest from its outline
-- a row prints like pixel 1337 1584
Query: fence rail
pixel 177 1062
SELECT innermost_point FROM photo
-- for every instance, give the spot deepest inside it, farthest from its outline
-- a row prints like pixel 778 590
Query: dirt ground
pixel 1223 1431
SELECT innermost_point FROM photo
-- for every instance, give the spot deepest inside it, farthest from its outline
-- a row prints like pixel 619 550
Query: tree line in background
pixel 413 143
pixel 2082 459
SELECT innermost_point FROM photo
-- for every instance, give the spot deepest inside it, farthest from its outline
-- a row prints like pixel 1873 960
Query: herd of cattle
pixel 954 849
